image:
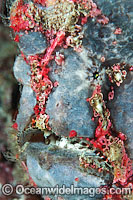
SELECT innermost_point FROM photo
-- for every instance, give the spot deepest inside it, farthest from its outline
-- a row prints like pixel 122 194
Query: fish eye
pixel 95 75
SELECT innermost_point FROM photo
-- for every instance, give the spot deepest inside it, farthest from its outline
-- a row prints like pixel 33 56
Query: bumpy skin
pixel 32 43
pixel 51 167
pixel 28 100
pixel 22 71
pixel 99 38
pixel 122 111
pixel 66 105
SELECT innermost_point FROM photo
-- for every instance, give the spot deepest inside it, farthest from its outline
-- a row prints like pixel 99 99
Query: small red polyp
pixel 15 126
pixel 72 134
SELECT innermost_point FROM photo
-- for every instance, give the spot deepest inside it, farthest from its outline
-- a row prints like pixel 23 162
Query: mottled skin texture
pixel 120 16
pixel 49 168
pixel 121 108
pixel 28 100
pixel 22 71
pixel 35 43
pixel 66 105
